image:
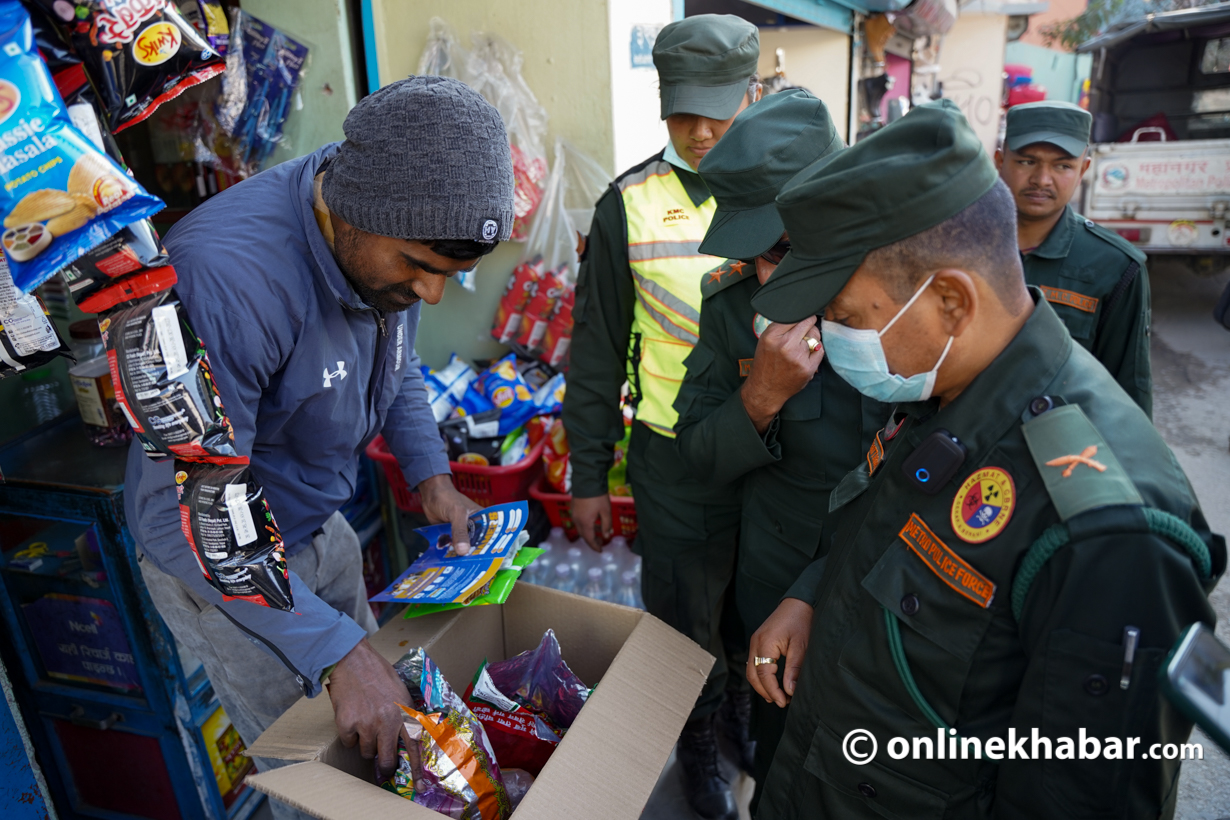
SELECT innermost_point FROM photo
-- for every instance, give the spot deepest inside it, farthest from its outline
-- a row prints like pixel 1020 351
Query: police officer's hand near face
pixel 783 366
pixel 442 504
pixel 783 635
pixel 592 517
pixel 365 691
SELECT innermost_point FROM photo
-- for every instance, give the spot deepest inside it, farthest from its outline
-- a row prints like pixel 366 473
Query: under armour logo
pixel 338 374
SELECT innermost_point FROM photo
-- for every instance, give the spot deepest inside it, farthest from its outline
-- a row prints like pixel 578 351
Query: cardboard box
pixel 647 676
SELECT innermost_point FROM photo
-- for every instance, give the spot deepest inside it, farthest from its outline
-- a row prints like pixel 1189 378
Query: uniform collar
pixel 1059 241
pixel 996 398
pixel 326 265
pixel 695 187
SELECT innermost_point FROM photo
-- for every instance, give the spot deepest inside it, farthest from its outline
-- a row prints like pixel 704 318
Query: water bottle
pixel 594 587
pixel 619 552
pixel 610 578
pixel 578 561
pixel 630 591
pixel 539 572
pixel 557 539
pixel 564 580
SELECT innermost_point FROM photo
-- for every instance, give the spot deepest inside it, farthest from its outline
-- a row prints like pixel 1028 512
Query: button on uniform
pixel 909 604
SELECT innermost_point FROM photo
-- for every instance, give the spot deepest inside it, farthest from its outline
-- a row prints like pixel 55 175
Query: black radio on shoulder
pixel 935 461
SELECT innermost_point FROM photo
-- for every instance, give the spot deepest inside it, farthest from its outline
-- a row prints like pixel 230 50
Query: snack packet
pixel 453 770
pixel 538 312
pixel 507 390
pixel 446 387
pixel 61 196
pixel 134 249
pixel 527 703
pixel 516 446
pixel 558 337
pixel 522 284
pixel 555 458
pixel 138 53
pixel 617 476
pixel 209 19
pixel 163 382
pixel 549 399
pixel 27 336
pixel 226 519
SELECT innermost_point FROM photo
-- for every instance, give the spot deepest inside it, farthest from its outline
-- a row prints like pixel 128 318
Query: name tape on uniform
pixel 949 567
pixel 1071 298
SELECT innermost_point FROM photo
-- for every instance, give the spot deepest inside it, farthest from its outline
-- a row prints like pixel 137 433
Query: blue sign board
pixel 82 639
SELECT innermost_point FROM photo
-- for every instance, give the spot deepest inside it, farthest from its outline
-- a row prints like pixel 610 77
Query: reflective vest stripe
pixel 646 251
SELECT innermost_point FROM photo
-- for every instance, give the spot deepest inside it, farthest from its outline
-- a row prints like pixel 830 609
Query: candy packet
pixel 28 338
pixel 227 521
pixel 61 195
pixel 452 769
pixel 138 53
pixel 162 380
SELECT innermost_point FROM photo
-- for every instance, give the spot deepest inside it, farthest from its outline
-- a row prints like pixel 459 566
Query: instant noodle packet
pixel 227 521
pixel 60 196
pixel 163 382
pixel 138 53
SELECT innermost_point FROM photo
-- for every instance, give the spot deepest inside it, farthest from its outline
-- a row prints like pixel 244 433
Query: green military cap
pixel 1061 124
pixel 907 177
pixel 704 63
pixel 765 146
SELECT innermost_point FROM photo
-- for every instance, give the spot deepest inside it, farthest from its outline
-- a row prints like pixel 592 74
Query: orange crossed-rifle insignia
pixel 1086 458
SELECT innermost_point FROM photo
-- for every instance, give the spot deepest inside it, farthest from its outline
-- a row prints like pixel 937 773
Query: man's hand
pixel 785 632
pixel 365 691
pixel 588 512
pixel 443 504
pixel 783 366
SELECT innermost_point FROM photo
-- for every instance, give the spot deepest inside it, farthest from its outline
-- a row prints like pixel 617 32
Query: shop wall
pixel 638 128
pixel 817 59
pixel 1061 73
pixel 328 89
pixel 567 52
pixel 972 68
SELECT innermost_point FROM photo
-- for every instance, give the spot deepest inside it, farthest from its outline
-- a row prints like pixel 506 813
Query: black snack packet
pixel 132 250
pixel 227 521
pixel 138 53
pixel 28 337
pixel 162 380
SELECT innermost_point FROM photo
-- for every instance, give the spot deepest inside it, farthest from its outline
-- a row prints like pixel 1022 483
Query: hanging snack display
pixel 139 53
pixel 134 249
pixel 226 519
pixel 163 382
pixel 27 336
pixel 61 196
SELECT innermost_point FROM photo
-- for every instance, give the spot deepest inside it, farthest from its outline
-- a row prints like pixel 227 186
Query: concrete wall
pixel 1059 72
pixel 327 90
pixel 972 68
pixel 817 59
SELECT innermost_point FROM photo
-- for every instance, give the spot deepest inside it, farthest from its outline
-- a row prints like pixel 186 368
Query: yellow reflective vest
pixel 664 234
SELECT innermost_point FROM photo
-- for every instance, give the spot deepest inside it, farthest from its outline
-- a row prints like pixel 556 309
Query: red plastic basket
pixel 623 510
pixel 483 485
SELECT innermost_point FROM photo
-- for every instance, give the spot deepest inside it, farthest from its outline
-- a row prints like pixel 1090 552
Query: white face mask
pixel 858 357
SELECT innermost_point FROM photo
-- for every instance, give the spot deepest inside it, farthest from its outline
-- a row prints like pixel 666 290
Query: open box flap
pixel 331 794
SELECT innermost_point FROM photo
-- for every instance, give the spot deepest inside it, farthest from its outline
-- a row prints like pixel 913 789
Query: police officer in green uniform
pixel 757 401
pixel 637 318
pixel 1021 549
pixel 1093 278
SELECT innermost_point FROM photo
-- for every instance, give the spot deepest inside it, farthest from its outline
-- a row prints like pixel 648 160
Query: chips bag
pixel 163 382
pixel 138 53
pixel 538 312
pixel 134 249
pixel 556 458
pixel 527 703
pixel 522 284
pixel 558 337
pixel 61 196
pixel 507 390
pixel 226 519
pixel 453 769
pixel 27 336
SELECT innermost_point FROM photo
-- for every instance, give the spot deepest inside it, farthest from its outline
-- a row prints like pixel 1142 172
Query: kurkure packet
pixel 60 196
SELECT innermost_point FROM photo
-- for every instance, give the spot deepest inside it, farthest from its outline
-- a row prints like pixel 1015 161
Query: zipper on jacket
pixel 382 349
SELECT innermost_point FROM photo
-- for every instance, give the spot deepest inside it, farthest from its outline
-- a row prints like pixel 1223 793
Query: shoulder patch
pixel 1077 466
pixel 725 275
pixel 1112 238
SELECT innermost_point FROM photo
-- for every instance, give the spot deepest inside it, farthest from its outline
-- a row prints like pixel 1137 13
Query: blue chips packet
pixel 60 195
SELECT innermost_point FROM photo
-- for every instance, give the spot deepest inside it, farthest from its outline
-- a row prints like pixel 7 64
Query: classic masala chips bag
pixel 139 53
pixel 60 195
pixel 226 519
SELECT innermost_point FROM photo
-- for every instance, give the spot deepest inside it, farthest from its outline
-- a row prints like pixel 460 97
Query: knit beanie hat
pixel 424 158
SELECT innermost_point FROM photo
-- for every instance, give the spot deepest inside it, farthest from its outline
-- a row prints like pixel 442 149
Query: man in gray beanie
pixel 306 283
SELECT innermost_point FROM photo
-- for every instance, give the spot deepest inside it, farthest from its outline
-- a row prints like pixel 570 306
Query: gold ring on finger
pixel 763 661
pixel 811 343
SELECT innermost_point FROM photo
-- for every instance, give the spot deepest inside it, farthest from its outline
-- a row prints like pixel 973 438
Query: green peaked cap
pixel 762 150
pixel 704 63
pixel 1064 125
pixel 909 176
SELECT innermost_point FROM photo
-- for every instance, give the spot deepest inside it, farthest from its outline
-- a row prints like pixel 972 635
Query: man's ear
pixel 999 159
pixel 1085 163
pixel 958 299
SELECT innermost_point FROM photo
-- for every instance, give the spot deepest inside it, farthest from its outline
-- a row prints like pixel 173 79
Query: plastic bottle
pixel 564 580
pixel 630 591
pixel 539 572
pixel 619 552
pixel 610 578
pixel 558 539
pixel 594 588
pixel 578 560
